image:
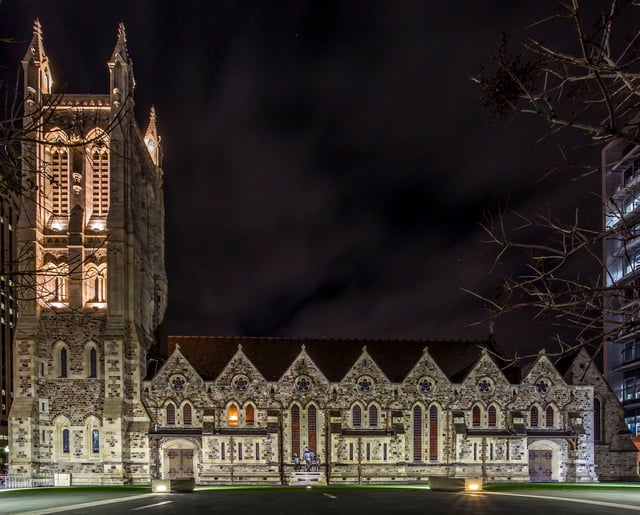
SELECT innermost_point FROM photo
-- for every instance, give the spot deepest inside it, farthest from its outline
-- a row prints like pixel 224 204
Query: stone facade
pixel 90 242
pixel 449 409
pixel 91 400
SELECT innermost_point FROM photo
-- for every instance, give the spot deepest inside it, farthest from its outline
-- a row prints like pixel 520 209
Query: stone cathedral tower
pixel 93 289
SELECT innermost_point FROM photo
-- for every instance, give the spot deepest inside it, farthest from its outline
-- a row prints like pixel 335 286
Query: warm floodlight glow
pixel 473 484
pixel 56 226
pixel 98 226
pixel 160 488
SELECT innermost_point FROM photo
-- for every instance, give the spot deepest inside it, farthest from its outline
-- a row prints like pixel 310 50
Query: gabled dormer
pixel 177 375
pixel 38 80
pixel 366 374
pixel 484 377
pixel 542 376
pixel 121 71
pixel 304 374
pixel 425 376
pixel 241 374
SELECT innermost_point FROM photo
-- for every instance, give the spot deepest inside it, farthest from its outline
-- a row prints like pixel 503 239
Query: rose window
pixel 240 383
pixel 365 384
pixel 484 386
pixel 425 385
pixel 177 383
pixel 303 384
pixel 542 386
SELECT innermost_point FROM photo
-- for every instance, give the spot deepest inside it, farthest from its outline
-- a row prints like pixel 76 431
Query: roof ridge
pixel 334 338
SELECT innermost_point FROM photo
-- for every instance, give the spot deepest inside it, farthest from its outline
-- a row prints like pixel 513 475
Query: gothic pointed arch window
pixel 187 415
pixel 95 441
pixel 476 416
pixel 356 416
pixel 95 284
pixel 61 438
pixel 63 362
pixel 373 416
pixel 54 183
pixel 249 415
pixel 91 437
pixel 417 433
pixel 492 416
pixel 597 420
pixel 232 414
pixel 98 177
pixel 91 360
pixel 53 284
pixel 60 354
pixel 312 427
pixel 171 414
pixel 534 417
pixel 295 429
pixel 66 441
pixel 433 433
pixel 550 417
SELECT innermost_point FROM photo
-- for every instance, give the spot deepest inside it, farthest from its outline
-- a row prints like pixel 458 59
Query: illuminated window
pixel 186 415
pixel 171 414
pixel 98 172
pixel 550 417
pixel 249 415
pixel 534 417
pixel 52 287
pixel 295 430
pixel 356 416
pixel 59 178
pixel 492 416
pixel 233 415
pixel 417 433
pixel 433 433
pixel 373 416
pixel 475 416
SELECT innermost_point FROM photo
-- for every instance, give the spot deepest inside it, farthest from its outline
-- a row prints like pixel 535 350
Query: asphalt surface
pixel 328 501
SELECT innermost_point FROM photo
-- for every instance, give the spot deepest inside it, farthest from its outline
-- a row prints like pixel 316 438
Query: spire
pixel 151 139
pixel 36 66
pixel 121 68
pixel 36 47
pixel 121 44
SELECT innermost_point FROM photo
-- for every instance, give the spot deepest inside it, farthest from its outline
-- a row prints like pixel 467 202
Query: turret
pixel 152 140
pixel 121 70
pixel 37 74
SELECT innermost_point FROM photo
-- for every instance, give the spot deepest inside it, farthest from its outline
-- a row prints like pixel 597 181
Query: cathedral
pixel 99 397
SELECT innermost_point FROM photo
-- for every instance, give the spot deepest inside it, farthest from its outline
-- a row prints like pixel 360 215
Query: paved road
pixel 331 501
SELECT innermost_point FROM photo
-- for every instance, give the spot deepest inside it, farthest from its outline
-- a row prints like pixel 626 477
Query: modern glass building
pixel 621 257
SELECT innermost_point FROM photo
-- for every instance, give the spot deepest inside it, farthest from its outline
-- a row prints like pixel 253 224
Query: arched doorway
pixel 180 459
pixel 544 461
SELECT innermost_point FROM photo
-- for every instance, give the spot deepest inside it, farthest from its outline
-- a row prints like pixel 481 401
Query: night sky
pixel 327 164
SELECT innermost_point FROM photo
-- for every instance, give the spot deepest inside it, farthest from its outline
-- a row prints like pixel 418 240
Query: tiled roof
pixel 334 356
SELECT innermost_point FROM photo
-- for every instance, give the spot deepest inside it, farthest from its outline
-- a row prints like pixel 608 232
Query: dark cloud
pixel 327 163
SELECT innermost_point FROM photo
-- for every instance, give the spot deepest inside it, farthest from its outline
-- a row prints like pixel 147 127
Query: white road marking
pixel 150 506
pixel 569 499
pixel 330 496
pixel 72 507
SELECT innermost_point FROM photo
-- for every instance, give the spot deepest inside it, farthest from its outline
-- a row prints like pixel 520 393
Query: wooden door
pixel 540 465
pixel 180 463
